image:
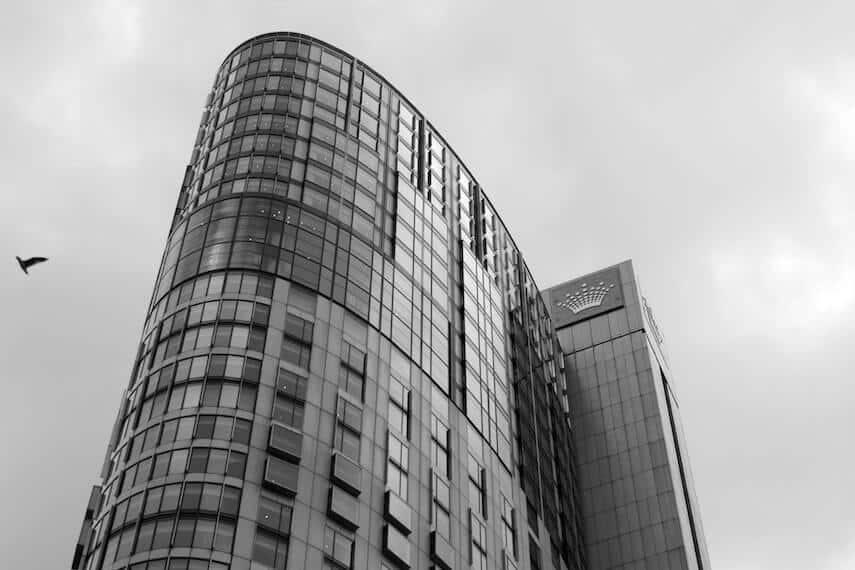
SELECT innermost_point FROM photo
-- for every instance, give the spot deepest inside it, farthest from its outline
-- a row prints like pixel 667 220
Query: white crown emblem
pixel 586 297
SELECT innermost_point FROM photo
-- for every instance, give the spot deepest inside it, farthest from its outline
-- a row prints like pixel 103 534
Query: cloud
pixel 781 285
pixel 61 98
pixel 842 559
pixel 684 137
pixel 56 102
pixel 119 30
pixel 830 93
pixel 779 275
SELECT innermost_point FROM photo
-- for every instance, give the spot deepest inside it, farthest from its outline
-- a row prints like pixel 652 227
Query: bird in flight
pixel 27 263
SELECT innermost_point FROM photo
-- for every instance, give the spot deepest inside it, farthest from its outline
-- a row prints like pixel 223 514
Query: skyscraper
pixel 639 506
pixel 345 362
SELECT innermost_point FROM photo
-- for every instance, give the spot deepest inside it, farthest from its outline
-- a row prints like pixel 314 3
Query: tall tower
pixel 345 362
pixel 639 505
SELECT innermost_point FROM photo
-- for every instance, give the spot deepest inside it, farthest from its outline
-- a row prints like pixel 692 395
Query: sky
pixel 712 143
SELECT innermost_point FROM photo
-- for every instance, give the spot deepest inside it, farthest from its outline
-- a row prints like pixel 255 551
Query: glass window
pixel 223 428
pixel 236 464
pixel 152 503
pixel 282 474
pixel 439 445
pixel 286 441
pixel 210 499
pixel 288 411
pixel 191 497
pixel 508 526
pixel 234 365
pixel 211 395
pixel 204 534
pixel 398 418
pixel 169 502
pixel 372 86
pixel 323 133
pixel 396 479
pixel 184 532
pixel 246 400
pixel 297 341
pixel 347 442
pixel 343 506
pixel 162 534
pixel 338 547
pixel 352 382
pixel 349 414
pixel 230 501
pixel 353 357
pixel 477 498
pixel 318 175
pixel 441 511
pixel 224 536
pixel 178 462
pixel 161 466
pixel 229 394
pixel 398 451
pixel 185 428
pixel 198 461
pixel 330 60
pixel 269 549
pixel 146 535
pixel 217 461
pixel 295 352
pixel 274 515
pixel 396 545
pixel 241 431
pixel 298 328
pixel 321 154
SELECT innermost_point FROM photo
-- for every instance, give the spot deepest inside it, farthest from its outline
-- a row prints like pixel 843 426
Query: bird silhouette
pixel 27 263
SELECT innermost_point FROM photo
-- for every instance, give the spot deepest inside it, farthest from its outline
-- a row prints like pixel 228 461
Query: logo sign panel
pixel 654 328
pixel 586 297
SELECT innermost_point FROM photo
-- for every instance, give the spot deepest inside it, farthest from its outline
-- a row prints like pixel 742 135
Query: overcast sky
pixel 711 144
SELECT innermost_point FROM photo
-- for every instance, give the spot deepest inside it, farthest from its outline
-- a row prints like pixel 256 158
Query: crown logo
pixel 586 297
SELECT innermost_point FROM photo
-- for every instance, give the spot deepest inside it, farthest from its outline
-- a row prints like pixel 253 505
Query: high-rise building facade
pixel 638 500
pixel 346 362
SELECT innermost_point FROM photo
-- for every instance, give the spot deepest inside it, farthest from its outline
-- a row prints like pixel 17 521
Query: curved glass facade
pixel 346 362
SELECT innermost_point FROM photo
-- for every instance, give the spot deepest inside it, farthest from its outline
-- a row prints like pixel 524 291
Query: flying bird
pixel 27 263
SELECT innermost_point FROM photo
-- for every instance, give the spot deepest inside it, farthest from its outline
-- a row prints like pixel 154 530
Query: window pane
pixel 264 549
